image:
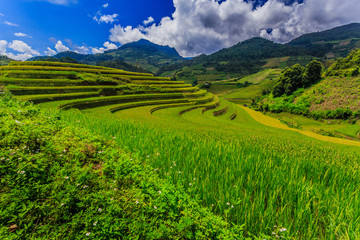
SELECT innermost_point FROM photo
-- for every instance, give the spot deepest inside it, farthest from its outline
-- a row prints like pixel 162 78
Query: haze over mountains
pixel 243 58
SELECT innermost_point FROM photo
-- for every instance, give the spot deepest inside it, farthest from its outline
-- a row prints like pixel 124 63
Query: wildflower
pixel 114 137
pixel 88 233
pixel 94 223
pixel 212 205
pixel 194 179
pixel 179 172
pixel 174 164
pixel 157 154
pixel 228 203
pixel 66 177
pixel 111 199
pixel 190 184
pixel 282 229
pixel 155 207
pixel 148 156
pixel 17 122
pixel 137 202
pixel 156 169
pixel 85 186
pixel 232 206
pixel 115 189
pixel 273 233
pixel 159 192
pixel 170 167
pixel 62 204
pixel 100 209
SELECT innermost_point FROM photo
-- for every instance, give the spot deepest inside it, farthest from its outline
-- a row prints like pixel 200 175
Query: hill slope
pixel 336 42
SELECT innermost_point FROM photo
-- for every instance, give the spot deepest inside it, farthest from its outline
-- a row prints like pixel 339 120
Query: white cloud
pixel 25 51
pixel 105 5
pixel 49 52
pixel 81 50
pixel 60 47
pixel 11 24
pixel 19 34
pixel 110 46
pixel 205 26
pixel 106 18
pixel 22 47
pixel 3 46
pixel 20 56
pixel 107 46
pixel 125 35
pixel 2 15
pixel 148 21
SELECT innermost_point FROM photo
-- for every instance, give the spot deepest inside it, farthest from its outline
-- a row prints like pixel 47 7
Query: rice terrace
pixel 219 122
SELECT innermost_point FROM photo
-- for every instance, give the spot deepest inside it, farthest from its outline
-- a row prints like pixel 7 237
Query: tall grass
pixel 248 173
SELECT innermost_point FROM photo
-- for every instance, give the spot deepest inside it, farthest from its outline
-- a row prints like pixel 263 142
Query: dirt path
pixel 272 122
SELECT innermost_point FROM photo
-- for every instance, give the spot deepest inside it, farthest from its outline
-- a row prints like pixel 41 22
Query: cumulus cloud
pixel 81 50
pixel 60 47
pixel 49 52
pixel 3 46
pixel 11 24
pixel 19 34
pixel 107 46
pixel 148 21
pixel 22 47
pixel 205 26
pixel 106 18
pixel 25 51
pixel 102 18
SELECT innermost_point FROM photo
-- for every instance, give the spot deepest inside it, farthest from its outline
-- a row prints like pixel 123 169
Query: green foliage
pixel 346 67
pixel 297 77
pixel 59 181
pixel 312 73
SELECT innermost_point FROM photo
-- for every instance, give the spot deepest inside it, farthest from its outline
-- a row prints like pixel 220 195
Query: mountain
pixel 140 56
pixel 4 60
pixel 146 54
pixel 332 43
pixel 98 59
pixel 244 58
pixel 252 55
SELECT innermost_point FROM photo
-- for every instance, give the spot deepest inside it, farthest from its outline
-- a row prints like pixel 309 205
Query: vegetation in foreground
pixel 59 181
pixel 242 170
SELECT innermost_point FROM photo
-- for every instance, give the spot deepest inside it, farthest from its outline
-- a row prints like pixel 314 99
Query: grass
pixel 64 182
pixel 297 182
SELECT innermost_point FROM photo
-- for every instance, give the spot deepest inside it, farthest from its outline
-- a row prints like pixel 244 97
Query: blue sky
pixel 46 27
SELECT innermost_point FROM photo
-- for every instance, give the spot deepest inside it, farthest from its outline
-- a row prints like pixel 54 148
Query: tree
pixel 312 73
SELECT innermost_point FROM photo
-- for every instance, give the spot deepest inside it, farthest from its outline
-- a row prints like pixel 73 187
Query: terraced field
pixel 246 168
pixel 84 86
